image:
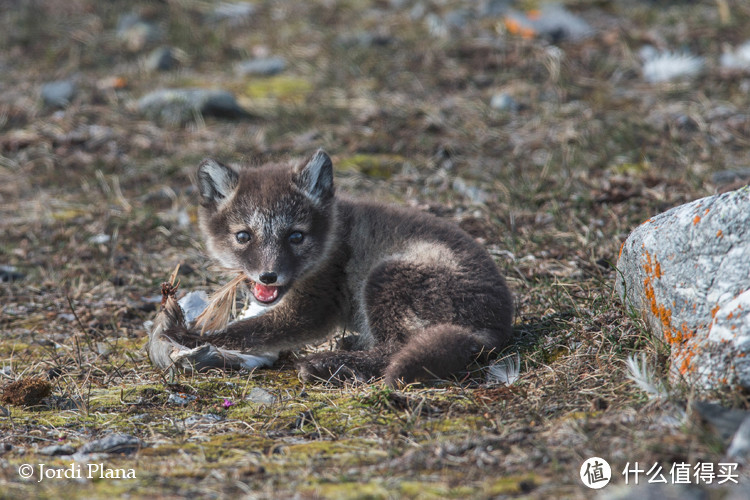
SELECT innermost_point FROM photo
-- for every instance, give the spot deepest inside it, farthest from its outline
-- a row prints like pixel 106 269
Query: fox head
pixel 271 222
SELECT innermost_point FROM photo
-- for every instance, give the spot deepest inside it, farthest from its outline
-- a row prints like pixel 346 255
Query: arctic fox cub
pixel 423 296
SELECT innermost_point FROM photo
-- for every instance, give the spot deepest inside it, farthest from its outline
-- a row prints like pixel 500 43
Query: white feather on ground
pixel 667 66
pixel 645 377
pixel 504 370
pixel 738 58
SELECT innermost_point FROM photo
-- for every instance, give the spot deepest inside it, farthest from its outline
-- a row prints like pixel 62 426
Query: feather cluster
pixel 504 370
pixel 221 307
pixel 645 378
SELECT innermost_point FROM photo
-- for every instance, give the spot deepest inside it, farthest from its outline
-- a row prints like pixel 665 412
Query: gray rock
pixel 494 8
pixel 234 13
pixel 136 33
pixel 208 418
pixel 723 422
pixel 162 59
pixel 504 102
pixel 58 94
pixel 112 443
pixel 265 66
pixel 739 448
pixel 179 106
pixel 57 449
pixel 364 39
pixel 686 272
pixel 181 399
pixel 553 22
pixel 9 274
pixel 730 176
pixel 261 396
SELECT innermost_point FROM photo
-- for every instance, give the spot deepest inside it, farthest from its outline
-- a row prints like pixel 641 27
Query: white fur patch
pixel 431 253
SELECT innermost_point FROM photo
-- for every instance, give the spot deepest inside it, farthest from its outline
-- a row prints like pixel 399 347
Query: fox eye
pixel 242 237
pixel 296 238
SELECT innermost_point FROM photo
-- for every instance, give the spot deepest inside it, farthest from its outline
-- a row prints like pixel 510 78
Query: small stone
pixel 179 106
pixel 494 8
pixel 364 39
pixel 739 448
pixel 553 22
pixel 504 102
pixel 9 274
pixel 261 396
pixel 208 418
pixel 58 94
pixel 57 450
pixel 162 59
pixel 136 33
pixel 457 19
pixel 113 443
pixel 263 66
pixel 234 13
pixel 181 399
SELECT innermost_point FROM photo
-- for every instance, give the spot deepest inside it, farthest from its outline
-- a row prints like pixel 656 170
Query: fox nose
pixel 268 278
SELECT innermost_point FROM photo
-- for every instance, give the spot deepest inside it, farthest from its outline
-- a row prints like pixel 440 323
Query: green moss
pixel 283 88
pixel 378 166
pixel 511 485
pixel 349 491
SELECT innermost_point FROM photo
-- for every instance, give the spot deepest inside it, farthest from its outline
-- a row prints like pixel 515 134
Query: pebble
pixel 162 59
pixel 264 66
pixel 9 274
pixel 113 443
pixel 136 33
pixel 234 13
pixel 58 94
pixel 207 418
pixel 261 396
pixel 57 450
pixel 181 399
pixel 504 102
pixel 179 106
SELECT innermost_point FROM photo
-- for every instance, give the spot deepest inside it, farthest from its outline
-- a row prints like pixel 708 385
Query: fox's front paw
pixel 326 367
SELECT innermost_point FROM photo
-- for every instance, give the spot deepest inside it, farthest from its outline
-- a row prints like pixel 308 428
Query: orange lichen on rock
pixel 516 28
pixel 715 310
pixel 719 234
pixel 676 337
pixel 696 219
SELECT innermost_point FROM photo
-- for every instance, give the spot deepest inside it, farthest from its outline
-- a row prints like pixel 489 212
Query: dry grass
pixel 551 189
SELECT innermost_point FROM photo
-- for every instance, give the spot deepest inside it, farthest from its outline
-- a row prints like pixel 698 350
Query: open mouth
pixel 265 294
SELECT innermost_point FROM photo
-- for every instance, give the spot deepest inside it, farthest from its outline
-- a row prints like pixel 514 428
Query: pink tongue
pixel 265 293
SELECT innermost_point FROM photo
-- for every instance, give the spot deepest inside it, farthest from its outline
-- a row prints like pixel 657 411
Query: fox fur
pixel 424 298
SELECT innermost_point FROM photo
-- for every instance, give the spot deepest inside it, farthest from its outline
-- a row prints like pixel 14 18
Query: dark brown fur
pixel 425 298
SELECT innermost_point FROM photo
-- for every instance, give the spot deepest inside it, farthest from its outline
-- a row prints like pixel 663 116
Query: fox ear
pixel 216 181
pixel 315 178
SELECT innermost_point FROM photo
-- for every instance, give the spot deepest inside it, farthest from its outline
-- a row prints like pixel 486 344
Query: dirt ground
pixel 547 147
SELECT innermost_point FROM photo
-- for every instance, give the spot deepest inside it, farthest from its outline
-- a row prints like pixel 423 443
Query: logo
pixel 595 473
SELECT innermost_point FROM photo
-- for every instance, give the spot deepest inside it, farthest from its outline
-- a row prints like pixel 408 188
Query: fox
pixel 419 298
